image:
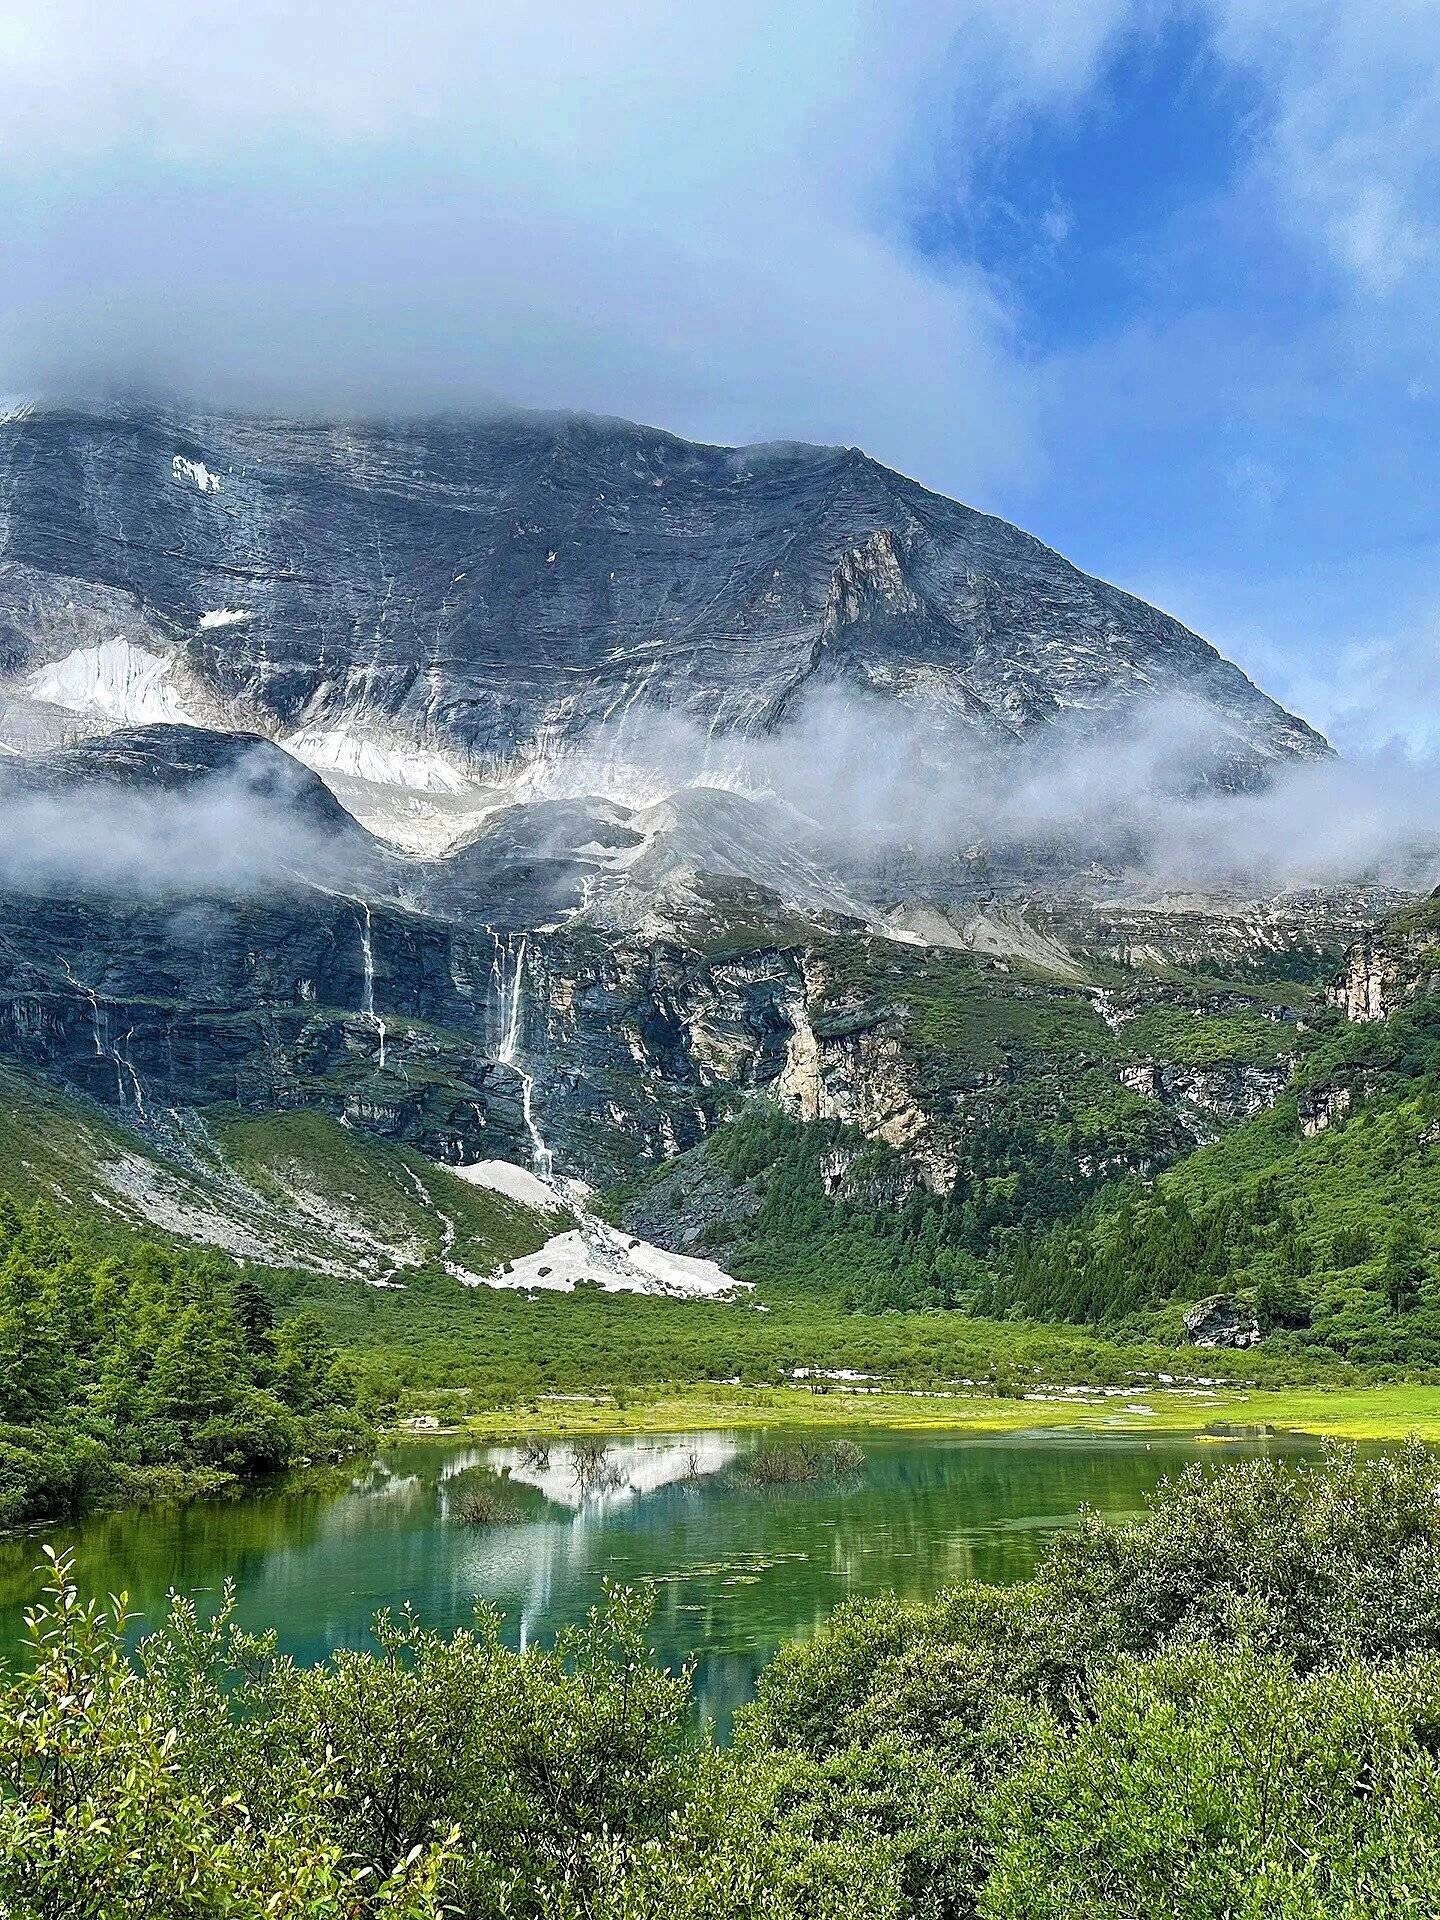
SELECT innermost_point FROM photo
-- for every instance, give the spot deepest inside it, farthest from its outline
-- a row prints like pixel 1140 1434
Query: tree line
pixel 138 1370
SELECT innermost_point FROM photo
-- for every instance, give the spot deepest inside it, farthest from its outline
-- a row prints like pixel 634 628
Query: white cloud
pixel 1352 152
pixel 692 215
pixel 698 215
pixel 1257 483
pixel 1357 653
pixel 1383 691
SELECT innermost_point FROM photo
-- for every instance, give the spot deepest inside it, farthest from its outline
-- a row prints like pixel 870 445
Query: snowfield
pixel 591 1253
pixel 117 679
pixel 516 1183
pixel 345 750
pixel 602 1256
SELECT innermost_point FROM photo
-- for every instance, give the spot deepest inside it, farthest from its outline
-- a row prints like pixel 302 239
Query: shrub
pixel 1333 1560
pixel 1209 1786
pixel 794 1463
pixel 99 1819
pixel 480 1500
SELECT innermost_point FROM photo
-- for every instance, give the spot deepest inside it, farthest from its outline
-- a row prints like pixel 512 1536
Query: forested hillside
pixel 1319 1217
pixel 141 1371
pixel 1323 1214
pixel 1055 1251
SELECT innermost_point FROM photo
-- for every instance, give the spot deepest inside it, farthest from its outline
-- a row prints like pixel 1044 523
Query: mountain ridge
pixel 491 594
pixel 241 660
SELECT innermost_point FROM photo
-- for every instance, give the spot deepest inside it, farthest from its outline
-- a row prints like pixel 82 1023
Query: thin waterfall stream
pixel 508 972
pixel 367 955
pixel 367 991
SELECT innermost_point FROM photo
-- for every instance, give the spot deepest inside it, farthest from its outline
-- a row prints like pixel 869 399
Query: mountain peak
pixel 499 591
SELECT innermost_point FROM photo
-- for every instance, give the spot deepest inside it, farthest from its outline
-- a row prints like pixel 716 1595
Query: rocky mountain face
pixel 1390 964
pixel 430 603
pixel 292 970
pixel 311 966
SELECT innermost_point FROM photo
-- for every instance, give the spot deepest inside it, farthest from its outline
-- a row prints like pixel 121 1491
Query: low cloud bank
pixel 1166 797
pixel 242 830
pixel 1166 800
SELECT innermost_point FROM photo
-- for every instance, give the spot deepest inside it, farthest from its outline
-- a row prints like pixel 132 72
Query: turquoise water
pixel 736 1569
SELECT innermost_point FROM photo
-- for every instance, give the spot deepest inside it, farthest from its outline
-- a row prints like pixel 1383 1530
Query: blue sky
pixel 1159 279
pixel 1241 419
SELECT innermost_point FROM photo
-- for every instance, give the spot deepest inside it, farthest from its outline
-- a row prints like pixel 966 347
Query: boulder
pixel 1222 1321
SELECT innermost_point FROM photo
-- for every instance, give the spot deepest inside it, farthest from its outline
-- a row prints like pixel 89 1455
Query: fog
pixel 697 216
pixel 1128 807
pixel 1148 797
pixel 244 830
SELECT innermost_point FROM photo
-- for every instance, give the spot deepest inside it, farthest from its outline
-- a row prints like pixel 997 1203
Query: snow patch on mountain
pixel 194 473
pixel 116 680
pixel 592 1252
pixel 224 617
pixel 516 1183
pixel 359 756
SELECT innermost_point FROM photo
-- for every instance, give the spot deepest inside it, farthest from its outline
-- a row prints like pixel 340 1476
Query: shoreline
pixel 1343 1413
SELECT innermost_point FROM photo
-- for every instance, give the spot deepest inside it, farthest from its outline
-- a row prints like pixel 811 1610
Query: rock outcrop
pixel 1369 986
pixel 1228 1091
pixel 1398 961
pixel 1321 1108
pixel 1222 1321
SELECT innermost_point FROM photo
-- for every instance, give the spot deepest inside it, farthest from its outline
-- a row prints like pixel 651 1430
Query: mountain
pixel 285 1191
pixel 433 605
pixel 371 797
pixel 1314 1224
pixel 194 922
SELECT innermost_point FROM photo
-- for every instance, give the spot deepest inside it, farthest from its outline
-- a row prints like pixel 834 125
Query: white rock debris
pixel 346 750
pixel 194 473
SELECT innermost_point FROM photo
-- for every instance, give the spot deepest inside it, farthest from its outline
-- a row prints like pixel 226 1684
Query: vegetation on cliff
pixel 1054 1252
pixel 1323 1214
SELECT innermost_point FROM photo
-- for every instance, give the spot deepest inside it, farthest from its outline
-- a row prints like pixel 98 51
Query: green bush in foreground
pixel 1229 1710
pixel 1224 1786
pixel 100 1817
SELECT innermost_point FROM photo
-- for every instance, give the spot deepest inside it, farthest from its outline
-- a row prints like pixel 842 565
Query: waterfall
pixel 367 991
pixel 509 996
pixel 367 955
pixel 105 1049
pixel 507 971
pixel 123 1060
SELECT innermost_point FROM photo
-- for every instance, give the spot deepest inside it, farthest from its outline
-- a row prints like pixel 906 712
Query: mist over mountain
pixel 447 616
pixel 440 600
pixel 169 809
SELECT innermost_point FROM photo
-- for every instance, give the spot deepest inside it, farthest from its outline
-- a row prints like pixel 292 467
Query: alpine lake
pixel 737 1566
